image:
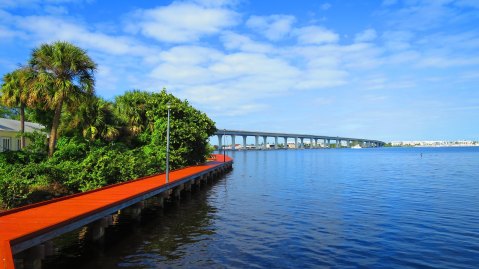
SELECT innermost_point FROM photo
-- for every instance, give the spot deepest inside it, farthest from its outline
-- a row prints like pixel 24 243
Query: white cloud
pixel 397 40
pixel 182 22
pixel 273 27
pixel 322 101
pixel 6 33
pixel 446 62
pixel 216 3
pixel 55 10
pixel 353 57
pixel 253 64
pixel 48 29
pixel 234 41
pixel 315 35
pixel 238 72
pixel 423 15
pixel 367 35
pixel 315 79
pixel 403 57
pixel 190 55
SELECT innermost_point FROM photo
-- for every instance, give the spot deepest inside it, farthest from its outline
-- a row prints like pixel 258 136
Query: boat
pixel 356 147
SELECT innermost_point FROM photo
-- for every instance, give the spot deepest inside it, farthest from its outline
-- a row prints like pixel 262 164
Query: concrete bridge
pixel 315 141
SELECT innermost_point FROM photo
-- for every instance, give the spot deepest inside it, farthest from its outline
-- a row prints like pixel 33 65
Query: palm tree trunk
pixel 55 124
pixel 22 125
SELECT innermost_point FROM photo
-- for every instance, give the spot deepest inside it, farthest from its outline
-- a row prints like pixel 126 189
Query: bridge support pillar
pixel 197 182
pixel 338 144
pixel 285 142
pixel 275 142
pixel 220 142
pixel 96 229
pixel 265 141
pixel 177 191
pixel 348 142
pixel 256 141
pixel 295 143
pixel 244 141
pixel 134 211
pixel 302 142
pixel 233 143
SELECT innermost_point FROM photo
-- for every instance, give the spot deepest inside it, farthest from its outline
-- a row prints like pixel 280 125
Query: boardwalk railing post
pixel 168 147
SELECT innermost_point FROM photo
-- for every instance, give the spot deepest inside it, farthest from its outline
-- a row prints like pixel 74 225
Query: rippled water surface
pixel 348 208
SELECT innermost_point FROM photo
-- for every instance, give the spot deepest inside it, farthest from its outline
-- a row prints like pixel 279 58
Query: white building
pixel 9 133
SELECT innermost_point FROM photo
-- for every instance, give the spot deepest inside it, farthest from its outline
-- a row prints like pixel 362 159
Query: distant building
pixel 458 143
pixel 9 130
pixel 291 145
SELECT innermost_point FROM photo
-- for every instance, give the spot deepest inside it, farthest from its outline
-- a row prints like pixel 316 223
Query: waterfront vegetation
pixel 92 142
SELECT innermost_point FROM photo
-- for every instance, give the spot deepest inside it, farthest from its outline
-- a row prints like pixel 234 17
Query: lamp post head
pixel 168 105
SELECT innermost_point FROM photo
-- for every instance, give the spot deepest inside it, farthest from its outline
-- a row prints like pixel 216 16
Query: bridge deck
pixel 33 224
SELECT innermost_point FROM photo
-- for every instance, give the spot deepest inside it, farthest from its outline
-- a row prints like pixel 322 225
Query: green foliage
pixel 13 188
pixel 146 117
pixel 35 152
pixel 104 166
pixel 39 115
pixel 36 149
pixel 94 120
pixel 63 79
pixel 101 142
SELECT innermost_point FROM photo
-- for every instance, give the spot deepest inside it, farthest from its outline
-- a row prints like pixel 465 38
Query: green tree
pixel 93 120
pixel 65 77
pixel 17 93
pixel 190 128
pixel 131 108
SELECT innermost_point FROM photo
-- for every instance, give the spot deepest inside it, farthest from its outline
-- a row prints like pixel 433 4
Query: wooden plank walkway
pixel 27 226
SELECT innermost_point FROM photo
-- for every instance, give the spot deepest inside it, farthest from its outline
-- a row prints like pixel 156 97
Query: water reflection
pixel 368 208
pixel 161 235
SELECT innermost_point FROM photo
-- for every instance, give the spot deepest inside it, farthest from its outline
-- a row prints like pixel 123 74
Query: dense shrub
pixel 83 161
pixel 13 188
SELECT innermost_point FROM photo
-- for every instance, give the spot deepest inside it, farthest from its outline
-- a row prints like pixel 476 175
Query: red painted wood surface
pixel 32 220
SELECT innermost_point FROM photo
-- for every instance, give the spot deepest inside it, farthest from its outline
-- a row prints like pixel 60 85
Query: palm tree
pixel 65 77
pixel 132 108
pixel 94 119
pixel 16 92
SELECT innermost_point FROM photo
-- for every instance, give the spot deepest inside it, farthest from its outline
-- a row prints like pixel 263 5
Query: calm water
pixel 366 208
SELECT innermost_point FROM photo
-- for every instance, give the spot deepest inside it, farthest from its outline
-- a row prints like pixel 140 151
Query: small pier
pixel 30 229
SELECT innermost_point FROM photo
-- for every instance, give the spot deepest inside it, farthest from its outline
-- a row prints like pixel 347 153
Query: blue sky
pixel 388 70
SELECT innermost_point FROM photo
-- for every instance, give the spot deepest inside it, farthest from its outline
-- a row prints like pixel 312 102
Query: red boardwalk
pixel 31 225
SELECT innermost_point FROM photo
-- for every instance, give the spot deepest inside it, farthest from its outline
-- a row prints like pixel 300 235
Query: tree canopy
pixel 64 77
pixel 93 142
pixel 16 92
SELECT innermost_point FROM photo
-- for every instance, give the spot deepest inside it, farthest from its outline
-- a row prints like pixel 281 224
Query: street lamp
pixel 224 143
pixel 168 146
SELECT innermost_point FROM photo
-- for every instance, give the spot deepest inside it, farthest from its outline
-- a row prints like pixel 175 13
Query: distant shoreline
pixel 436 146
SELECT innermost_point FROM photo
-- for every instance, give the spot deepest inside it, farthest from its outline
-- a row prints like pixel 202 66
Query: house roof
pixel 14 126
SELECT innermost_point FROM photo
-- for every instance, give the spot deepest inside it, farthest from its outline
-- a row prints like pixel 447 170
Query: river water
pixel 337 208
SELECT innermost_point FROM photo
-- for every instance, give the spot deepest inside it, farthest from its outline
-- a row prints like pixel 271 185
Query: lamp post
pixel 168 146
pixel 224 143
